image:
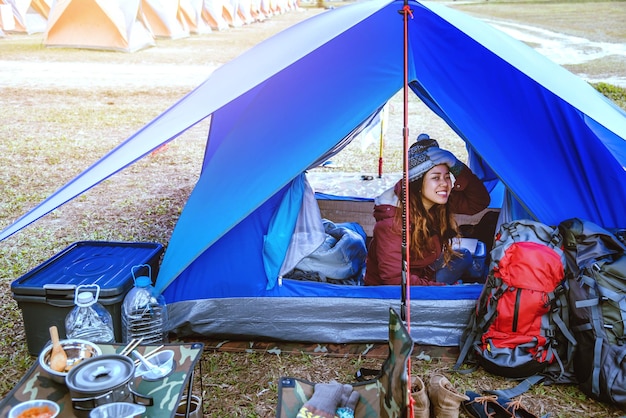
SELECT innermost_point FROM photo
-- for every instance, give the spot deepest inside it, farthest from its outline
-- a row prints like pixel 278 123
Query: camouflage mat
pixel 166 393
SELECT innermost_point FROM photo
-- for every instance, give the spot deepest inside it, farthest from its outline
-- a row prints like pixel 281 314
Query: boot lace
pixel 485 401
pixel 514 405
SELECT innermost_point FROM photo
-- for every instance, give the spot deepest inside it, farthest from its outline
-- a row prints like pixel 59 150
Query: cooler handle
pixel 59 287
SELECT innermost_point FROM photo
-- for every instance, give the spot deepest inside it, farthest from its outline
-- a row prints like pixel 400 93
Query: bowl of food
pixel 38 408
pixel 76 351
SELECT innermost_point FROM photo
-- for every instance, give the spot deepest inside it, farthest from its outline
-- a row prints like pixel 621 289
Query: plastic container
pixel 478 272
pixel 45 295
pixel 89 320
pixel 118 410
pixel 157 367
pixel 144 312
pixel 35 408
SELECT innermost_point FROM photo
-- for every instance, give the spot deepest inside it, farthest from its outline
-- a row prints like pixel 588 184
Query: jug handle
pixel 132 270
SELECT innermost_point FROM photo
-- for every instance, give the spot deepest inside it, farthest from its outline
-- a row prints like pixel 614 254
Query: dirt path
pixel 87 75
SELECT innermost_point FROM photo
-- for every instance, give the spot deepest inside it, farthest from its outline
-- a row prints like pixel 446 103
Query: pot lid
pixel 100 374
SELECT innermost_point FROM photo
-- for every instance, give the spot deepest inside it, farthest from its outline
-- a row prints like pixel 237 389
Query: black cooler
pixel 45 295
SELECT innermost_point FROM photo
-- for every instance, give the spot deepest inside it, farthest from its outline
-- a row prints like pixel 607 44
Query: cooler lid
pixel 107 264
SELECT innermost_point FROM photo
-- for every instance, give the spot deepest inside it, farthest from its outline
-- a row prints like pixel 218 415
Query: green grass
pixel 614 93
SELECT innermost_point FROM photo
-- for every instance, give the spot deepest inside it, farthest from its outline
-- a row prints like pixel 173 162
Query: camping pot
pixel 102 380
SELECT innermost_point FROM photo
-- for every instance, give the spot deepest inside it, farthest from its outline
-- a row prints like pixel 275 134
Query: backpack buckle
pixel 555 241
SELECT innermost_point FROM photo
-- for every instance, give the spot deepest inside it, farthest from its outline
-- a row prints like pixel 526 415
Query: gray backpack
pixel 596 260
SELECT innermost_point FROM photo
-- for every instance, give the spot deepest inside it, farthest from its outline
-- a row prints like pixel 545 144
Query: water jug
pixel 144 312
pixel 89 320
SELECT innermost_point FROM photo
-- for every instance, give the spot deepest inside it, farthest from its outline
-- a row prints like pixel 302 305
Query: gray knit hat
pixel 419 162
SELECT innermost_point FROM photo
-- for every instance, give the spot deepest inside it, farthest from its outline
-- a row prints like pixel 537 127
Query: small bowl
pixel 37 404
pixel 77 350
pixel 118 410
pixel 164 362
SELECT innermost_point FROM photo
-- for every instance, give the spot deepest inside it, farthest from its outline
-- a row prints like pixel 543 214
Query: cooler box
pixel 45 295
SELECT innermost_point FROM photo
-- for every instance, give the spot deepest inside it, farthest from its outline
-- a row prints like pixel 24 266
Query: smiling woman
pixel 432 204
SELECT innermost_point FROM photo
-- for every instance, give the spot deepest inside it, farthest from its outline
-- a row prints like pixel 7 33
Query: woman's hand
pixel 441 156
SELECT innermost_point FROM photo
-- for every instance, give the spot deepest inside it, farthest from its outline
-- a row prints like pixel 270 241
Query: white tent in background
pixel 244 11
pixel 7 22
pixel 97 24
pixel 256 12
pixel 42 7
pixel 213 12
pixel 26 19
pixel 165 19
pixel 231 13
pixel 278 6
pixel 265 7
pixel 191 11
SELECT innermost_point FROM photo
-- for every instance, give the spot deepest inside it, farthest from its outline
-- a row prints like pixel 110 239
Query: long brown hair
pixel 424 224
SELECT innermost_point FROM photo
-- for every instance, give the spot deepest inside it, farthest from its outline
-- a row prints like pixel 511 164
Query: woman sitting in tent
pixel 433 201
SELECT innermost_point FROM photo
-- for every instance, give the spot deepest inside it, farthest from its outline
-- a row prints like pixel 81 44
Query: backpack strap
pixel 522 387
pixel 558 319
pixel 477 325
pixel 610 294
pixel 596 323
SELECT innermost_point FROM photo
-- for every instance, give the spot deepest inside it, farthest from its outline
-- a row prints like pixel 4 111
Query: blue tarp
pixel 554 142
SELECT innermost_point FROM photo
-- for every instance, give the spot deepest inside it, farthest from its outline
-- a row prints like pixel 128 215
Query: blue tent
pixel 557 145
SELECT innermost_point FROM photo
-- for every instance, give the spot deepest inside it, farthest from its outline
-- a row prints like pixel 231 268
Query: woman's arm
pixel 469 195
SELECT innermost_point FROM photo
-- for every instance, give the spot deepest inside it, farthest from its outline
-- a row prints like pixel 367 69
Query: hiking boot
pixel 515 407
pixel 421 404
pixel 445 401
pixel 484 406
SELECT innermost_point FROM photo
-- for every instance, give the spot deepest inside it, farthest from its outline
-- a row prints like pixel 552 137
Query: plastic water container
pixel 144 312
pixel 89 320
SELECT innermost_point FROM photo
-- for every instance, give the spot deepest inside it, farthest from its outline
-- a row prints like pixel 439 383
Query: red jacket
pixel 384 256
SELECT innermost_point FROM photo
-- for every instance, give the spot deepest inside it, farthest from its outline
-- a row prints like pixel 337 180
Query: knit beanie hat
pixel 419 161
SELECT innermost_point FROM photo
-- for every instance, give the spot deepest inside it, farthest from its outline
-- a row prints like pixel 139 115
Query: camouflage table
pixel 166 392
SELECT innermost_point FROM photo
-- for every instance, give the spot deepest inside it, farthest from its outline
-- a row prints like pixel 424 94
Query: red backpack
pixel 519 325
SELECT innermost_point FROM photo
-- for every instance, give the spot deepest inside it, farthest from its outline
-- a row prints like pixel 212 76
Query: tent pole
pixel 406 282
pixel 406 275
pixel 381 146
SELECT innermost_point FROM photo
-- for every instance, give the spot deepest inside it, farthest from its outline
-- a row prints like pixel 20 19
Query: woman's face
pixel 436 186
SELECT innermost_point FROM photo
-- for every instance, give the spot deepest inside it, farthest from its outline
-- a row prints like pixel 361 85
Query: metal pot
pixel 103 380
